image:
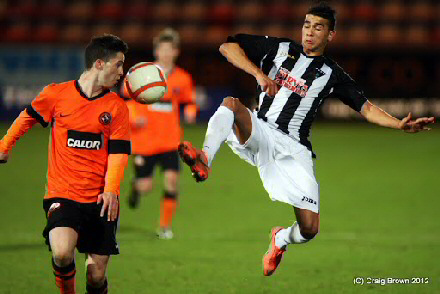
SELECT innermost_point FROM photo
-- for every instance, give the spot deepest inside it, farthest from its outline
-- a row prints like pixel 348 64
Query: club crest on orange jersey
pixel 105 118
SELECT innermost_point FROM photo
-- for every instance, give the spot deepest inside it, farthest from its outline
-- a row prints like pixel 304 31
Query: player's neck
pixel 88 83
pixel 166 67
pixel 313 53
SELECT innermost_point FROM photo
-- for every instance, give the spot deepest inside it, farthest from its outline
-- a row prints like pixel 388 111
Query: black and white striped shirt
pixel 305 82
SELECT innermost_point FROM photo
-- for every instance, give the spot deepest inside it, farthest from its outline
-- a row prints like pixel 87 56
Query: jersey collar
pixel 78 88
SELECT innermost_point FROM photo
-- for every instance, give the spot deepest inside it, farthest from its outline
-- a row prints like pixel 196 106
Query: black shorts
pixel 95 234
pixel 144 165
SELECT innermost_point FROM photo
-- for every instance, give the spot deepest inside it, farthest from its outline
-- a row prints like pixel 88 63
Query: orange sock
pixel 65 278
pixel 168 208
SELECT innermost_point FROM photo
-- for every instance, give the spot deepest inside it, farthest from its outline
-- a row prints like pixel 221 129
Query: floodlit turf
pixel 379 219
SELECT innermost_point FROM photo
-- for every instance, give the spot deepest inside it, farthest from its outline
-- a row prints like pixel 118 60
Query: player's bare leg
pixel 303 230
pixel 62 243
pixel 231 114
pixel 169 203
pixel 96 266
pixel 139 187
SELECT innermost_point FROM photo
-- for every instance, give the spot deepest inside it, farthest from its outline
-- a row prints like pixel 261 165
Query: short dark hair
pixel 167 35
pixel 103 47
pixel 324 10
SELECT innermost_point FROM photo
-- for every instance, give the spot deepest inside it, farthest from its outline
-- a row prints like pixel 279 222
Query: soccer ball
pixel 145 82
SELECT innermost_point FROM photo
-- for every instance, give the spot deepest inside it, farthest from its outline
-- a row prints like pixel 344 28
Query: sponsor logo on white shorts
pixel 309 200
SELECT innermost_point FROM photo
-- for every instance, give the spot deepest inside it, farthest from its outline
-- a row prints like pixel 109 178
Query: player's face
pixel 166 53
pixel 315 35
pixel 112 70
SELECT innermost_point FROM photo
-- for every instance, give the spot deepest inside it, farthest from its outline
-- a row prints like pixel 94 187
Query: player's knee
pixel 231 103
pixel 309 229
pixel 95 277
pixel 144 185
pixel 63 258
pixel 171 183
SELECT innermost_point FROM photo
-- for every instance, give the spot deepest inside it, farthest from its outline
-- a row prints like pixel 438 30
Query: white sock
pixel 219 127
pixel 296 236
pixel 290 235
pixel 282 238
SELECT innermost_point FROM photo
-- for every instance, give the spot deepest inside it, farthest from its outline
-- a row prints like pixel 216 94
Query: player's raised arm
pixel 235 53
pixel 374 114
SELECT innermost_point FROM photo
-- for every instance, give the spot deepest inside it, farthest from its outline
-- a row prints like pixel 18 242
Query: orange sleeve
pixel 115 172
pixel 19 127
pixel 132 113
pixel 119 141
pixel 190 112
pixel 189 97
pixel 43 106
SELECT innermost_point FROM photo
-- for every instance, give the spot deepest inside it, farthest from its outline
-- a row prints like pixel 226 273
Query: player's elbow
pixel 226 48
pixel 223 49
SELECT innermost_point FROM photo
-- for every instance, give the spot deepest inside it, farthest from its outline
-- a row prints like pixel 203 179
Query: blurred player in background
pixel 88 151
pixel 156 131
pixel 294 80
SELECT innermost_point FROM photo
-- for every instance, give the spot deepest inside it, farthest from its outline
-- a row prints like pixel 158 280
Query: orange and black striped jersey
pixel 84 132
pixel 161 132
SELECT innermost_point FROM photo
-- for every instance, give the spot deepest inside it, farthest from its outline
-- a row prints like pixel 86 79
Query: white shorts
pixel 286 167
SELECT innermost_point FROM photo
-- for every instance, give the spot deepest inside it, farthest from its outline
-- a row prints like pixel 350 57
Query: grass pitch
pixel 379 219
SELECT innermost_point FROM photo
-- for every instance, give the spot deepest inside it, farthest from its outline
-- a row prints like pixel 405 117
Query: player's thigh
pixel 63 242
pixel 62 226
pixel 144 165
pixel 242 118
pixel 144 184
pixel 170 164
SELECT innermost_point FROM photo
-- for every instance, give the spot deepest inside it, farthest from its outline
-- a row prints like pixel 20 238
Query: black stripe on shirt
pixel 294 100
pixel 31 111
pixel 119 147
pixel 288 64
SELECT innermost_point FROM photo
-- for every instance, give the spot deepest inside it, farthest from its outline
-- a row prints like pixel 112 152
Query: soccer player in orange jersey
pixel 88 152
pixel 156 131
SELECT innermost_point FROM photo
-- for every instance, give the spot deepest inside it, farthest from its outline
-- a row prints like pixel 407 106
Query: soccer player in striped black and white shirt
pixel 294 80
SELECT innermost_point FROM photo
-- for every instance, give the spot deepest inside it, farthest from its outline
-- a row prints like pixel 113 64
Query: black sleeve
pixel 348 91
pixel 119 147
pixel 255 47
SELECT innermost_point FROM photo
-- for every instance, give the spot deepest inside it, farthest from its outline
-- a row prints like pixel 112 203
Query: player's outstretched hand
pixel 414 126
pixel 267 85
pixel 3 157
pixel 110 202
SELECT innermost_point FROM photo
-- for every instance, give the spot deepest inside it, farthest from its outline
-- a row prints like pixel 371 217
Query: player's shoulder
pixel 181 72
pixel 333 64
pixel 116 101
pixel 330 62
pixel 58 87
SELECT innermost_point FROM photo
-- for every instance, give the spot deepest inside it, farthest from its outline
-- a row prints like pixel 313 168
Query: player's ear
pixel 176 51
pixel 331 35
pixel 99 64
